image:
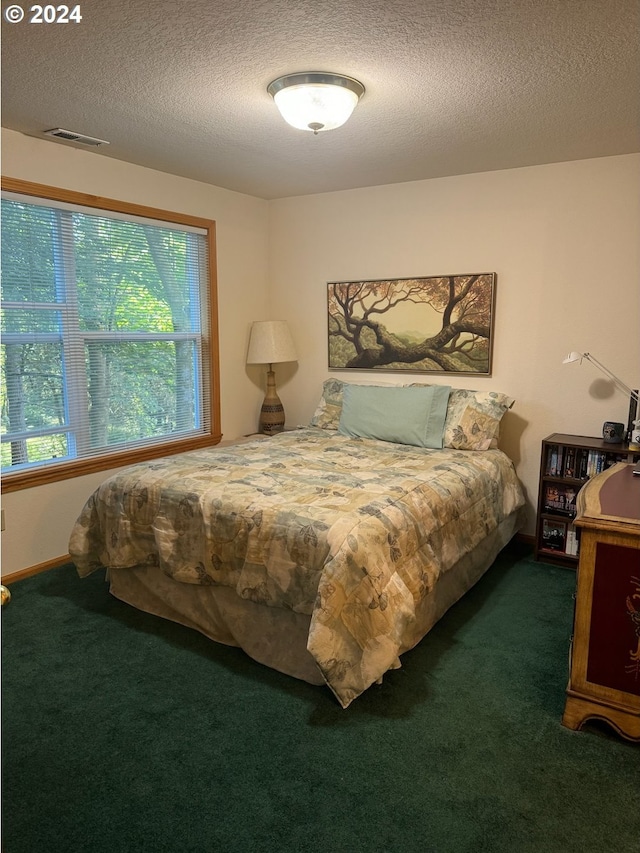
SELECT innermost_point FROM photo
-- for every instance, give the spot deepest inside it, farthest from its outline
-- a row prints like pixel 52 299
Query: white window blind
pixel 105 333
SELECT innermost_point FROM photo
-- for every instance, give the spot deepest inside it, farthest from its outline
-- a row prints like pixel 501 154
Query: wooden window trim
pixel 30 478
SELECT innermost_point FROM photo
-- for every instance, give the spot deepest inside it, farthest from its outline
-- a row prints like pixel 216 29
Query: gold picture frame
pixel 431 324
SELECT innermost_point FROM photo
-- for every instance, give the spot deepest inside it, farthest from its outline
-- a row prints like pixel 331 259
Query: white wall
pixel 38 521
pixel 563 240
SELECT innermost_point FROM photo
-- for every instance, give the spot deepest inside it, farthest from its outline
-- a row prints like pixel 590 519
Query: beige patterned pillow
pixel 327 414
pixel 473 419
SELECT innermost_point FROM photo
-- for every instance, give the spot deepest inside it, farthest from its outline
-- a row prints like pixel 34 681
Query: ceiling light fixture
pixel 315 100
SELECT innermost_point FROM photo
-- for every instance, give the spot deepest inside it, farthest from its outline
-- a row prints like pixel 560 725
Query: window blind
pixel 106 332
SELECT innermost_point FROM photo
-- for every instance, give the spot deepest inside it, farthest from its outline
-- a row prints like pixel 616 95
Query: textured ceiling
pixel 452 86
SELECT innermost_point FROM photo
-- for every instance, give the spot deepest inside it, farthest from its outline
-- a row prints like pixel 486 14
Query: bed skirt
pixel 276 637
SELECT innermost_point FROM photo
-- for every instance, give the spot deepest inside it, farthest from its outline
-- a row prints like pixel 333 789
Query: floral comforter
pixel 352 532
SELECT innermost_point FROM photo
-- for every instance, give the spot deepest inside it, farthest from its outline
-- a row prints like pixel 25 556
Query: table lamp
pixel 270 342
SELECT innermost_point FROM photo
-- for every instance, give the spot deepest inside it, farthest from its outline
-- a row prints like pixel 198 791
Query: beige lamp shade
pixel 270 343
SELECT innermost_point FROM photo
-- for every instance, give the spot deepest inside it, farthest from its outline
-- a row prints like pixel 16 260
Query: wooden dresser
pixel 604 680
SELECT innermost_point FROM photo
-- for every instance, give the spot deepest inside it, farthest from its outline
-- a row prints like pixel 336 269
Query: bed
pixel 323 552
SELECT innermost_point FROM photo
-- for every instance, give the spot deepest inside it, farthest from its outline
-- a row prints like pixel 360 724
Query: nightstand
pixel 243 439
pixel 266 435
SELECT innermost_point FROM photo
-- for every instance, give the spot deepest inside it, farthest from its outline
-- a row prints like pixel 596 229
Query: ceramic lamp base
pixel 272 411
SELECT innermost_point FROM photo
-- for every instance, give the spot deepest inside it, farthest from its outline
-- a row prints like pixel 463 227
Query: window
pixel 109 348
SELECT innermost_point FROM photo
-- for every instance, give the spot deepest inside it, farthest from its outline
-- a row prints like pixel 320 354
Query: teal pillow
pixel 405 415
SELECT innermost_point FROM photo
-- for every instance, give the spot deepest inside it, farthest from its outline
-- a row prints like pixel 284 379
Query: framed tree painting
pixel 436 324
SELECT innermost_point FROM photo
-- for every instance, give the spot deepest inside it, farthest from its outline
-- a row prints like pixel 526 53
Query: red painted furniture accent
pixel 604 681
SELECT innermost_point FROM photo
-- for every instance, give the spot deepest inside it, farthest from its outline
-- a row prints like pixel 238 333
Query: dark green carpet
pixel 123 732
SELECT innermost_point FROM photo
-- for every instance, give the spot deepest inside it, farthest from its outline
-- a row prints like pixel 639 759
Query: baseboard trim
pixel 35 570
pixel 525 538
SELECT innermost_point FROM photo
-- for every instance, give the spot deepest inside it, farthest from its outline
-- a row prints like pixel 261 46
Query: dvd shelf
pixel 567 462
pixel 580 463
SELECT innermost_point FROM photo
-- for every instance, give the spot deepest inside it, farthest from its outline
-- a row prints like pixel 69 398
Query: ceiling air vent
pixel 70 136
